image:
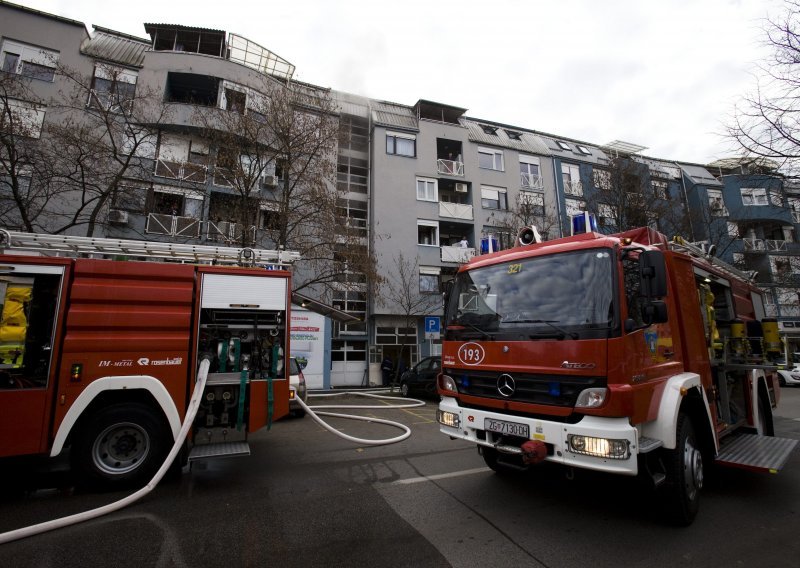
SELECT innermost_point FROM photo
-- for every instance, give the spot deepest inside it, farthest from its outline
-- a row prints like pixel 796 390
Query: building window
pixel 428 233
pixel 113 88
pixel 794 205
pixel 733 229
pixel 493 198
pixel 22 119
pixel 514 135
pixel 489 159
pixel 29 61
pixel 775 198
pixel 716 204
pixel 401 144
pixel 529 173
pixel 533 202
pixel 491 130
pixel 429 280
pixel 427 189
pixel 753 196
pixel 571 175
pixel 583 150
pixel 563 145
pixel 601 179
pixel 344 351
pixel 573 207
pixel 660 189
pixel 605 214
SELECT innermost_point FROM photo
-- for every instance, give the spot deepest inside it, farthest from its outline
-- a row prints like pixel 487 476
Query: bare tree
pixel 276 151
pixel 622 198
pixel 88 146
pixel 764 127
pixel 400 291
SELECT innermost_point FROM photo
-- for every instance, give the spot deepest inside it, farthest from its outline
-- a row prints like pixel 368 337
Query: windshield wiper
pixel 484 333
pixel 562 332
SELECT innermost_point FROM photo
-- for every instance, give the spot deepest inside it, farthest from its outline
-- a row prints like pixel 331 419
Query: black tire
pixel 299 413
pixel 766 425
pixel 405 390
pixel 781 380
pixel 685 475
pixel 122 445
pixel 490 457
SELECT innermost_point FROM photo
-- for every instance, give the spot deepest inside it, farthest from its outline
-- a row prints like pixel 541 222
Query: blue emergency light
pixel 583 223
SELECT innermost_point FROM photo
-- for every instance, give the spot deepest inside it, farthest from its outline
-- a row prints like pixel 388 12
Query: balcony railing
pixel 224 231
pixel 776 245
pixel 455 210
pixel 172 225
pixel 186 171
pixel 457 254
pixel 754 244
pixel 531 181
pixel 573 188
pixel 450 167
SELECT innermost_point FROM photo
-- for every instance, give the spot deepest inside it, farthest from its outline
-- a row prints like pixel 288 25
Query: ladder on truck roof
pixel 66 245
pixel 693 250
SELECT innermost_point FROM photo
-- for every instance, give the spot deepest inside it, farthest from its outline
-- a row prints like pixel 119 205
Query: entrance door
pixel 349 363
pixel 30 297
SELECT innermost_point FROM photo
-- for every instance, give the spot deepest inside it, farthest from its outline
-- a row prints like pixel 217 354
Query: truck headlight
pixel 591 398
pixel 448 418
pixel 598 447
pixel 446 383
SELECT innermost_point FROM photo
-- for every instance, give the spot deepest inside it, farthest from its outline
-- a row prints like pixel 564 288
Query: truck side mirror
pixel 654 311
pixel 653 274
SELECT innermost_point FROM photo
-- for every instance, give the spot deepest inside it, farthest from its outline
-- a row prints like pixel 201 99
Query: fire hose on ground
pixel 194 403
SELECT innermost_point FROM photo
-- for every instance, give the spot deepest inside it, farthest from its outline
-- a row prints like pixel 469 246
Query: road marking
pixel 441 476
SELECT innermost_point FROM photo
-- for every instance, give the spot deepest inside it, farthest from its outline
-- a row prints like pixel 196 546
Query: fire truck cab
pixel 620 353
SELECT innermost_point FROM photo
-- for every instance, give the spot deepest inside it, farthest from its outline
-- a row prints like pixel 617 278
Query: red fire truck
pixel 100 356
pixel 620 353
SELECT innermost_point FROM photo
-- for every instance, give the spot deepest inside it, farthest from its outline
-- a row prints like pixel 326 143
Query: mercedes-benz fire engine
pixel 621 353
pixel 100 356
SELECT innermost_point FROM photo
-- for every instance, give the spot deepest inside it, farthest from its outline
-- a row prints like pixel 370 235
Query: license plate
pixel 503 427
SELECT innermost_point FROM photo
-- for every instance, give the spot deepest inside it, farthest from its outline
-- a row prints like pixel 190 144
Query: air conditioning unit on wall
pixel 461 188
pixel 118 217
pixel 269 181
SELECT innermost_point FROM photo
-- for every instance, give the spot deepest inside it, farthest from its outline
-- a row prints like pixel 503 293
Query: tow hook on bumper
pixel 531 452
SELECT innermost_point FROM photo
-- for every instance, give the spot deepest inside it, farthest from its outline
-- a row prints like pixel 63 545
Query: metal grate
pixel 221 450
pixel 759 453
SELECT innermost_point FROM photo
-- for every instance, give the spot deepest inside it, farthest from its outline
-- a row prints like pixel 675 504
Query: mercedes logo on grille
pixel 506 385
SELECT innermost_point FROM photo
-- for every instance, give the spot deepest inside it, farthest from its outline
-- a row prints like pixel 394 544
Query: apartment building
pixel 423 187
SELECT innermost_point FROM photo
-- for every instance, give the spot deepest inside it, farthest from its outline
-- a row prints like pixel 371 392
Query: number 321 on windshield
pixel 515 268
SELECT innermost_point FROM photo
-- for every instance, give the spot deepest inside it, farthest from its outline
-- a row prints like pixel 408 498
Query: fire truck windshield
pixel 567 295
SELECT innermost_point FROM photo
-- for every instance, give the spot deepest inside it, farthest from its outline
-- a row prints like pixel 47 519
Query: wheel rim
pixel 692 469
pixel 404 389
pixel 120 448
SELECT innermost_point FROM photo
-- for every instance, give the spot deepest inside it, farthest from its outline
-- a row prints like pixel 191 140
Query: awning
pixel 322 309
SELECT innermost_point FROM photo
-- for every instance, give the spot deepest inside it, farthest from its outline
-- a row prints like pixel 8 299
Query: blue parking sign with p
pixel 432 324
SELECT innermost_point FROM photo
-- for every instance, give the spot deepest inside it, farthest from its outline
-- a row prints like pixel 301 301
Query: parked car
pixel 421 378
pixel 298 381
pixel 790 376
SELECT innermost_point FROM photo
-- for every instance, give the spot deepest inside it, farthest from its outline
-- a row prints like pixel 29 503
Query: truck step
pixel 219 450
pixel 756 453
pixel 648 444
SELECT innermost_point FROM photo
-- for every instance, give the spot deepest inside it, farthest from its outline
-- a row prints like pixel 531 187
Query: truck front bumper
pixel 602 444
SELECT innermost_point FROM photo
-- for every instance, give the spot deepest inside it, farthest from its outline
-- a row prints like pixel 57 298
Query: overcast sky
pixel 663 74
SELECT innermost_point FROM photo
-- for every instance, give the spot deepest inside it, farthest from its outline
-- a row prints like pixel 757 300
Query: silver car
pixel 298 381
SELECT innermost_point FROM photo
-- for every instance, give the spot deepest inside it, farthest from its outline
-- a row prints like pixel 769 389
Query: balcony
pixel 455 211
pixel 754 245
pixel 776 245
pixel 185 171
pixel 450 167
pixel 573 188
pixel 227 232
pixel 531 181
pixel 172 225
pixel 457 254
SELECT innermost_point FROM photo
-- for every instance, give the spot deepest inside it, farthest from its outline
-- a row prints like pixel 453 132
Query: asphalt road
pixel 307 498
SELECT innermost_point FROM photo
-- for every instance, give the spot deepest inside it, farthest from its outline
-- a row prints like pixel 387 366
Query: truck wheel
pixel 766 427
pixel 684 467
pixel 404 389
pixel 121 445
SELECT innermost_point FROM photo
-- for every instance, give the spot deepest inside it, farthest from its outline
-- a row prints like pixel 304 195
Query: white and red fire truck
pixel 620 353
pixel 100 356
